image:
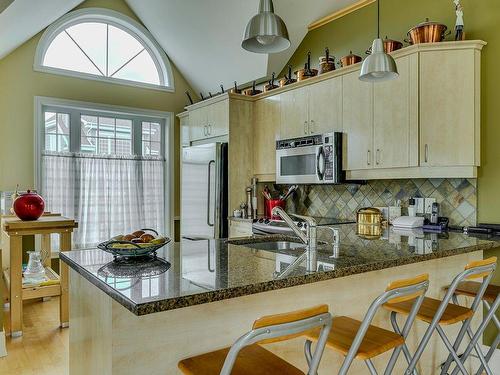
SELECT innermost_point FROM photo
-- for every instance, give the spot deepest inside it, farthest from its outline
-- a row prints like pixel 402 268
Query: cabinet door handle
pixel 305 127
pixel 311 127
pixel 209 129
pixel 368 157
pixel 205 130
pixel 377 157
pixel 426 153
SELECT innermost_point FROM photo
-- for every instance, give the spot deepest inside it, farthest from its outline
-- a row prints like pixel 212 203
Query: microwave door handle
pixel 320 171
pixel 209 193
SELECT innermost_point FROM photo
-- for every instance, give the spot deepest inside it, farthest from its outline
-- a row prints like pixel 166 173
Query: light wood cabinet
pixel 209 121
pixel 266 127
pixel 395 117
pixel 325 106
pixel 449 108
pixel 313 109
pixel 293 109
pixel 357 119
pixel 184 128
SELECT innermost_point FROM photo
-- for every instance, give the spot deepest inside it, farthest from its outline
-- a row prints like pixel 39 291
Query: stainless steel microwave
pixel 316 159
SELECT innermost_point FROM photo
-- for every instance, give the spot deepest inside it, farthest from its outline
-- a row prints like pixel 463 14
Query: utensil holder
pixel 269 204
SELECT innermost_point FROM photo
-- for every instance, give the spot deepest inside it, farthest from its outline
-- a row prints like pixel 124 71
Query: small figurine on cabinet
pixel 459 24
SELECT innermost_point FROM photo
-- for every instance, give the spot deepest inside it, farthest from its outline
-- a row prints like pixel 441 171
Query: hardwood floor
pixel 43 348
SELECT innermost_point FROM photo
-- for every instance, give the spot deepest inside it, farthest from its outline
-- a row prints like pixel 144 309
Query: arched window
pixel 104 45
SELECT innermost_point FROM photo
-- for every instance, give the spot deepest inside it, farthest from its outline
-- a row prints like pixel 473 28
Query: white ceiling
pixel 201 37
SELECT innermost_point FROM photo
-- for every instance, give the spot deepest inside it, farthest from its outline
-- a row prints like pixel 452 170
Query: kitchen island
pixel 198 296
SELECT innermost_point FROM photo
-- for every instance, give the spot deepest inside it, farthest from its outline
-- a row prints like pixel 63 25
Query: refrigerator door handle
pixel 209 193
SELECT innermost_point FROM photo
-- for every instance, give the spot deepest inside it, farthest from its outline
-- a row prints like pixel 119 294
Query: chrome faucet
pixel 309 238
pixel 335 240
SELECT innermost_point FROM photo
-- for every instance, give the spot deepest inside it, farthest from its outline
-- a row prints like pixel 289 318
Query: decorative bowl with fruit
pixel 138 244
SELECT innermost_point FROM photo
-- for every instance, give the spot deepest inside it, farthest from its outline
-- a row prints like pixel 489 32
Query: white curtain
pixel 107 195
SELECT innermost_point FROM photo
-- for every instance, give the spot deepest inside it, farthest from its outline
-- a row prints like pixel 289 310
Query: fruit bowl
pixel 124 248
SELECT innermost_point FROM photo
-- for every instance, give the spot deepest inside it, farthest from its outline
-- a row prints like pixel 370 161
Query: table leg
pixel 16 286
pixel 64 275
pixel 46 250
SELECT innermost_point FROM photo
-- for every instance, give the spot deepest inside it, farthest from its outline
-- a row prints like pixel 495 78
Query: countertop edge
pixel 240 291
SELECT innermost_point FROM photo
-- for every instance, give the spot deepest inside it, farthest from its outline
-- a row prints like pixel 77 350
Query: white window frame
pixel 116 19
pixel 42 102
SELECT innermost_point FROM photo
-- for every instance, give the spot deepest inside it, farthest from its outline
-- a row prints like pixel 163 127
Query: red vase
pixel 29 206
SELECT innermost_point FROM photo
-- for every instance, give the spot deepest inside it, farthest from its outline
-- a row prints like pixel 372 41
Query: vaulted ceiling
pixel 201 37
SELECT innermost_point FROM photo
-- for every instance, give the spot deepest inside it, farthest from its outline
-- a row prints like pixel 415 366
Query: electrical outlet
pixel 428 205
pixel 419 205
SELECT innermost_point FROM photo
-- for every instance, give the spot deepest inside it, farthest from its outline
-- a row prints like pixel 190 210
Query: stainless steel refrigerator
pixel 204 192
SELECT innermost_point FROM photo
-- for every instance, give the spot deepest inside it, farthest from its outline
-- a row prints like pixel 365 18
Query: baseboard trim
pixel 3 345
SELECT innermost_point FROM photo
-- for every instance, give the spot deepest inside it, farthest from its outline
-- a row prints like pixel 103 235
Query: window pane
pixel 146 131
pixel 106 127
pixel 50 142
pixel 62 123
pixel 106 146
pixel 123 129
pixel 123 147
pixel 89 125
pixel 63 143
pixel 63 53
pixel 142 69
pixel 145 148
pixel 155 148
pixel 91 37
pixel 50 123
pixel 89 145
pixel 122 47
pixel 155 132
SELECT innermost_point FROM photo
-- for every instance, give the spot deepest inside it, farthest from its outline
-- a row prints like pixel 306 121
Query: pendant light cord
pixel 378 19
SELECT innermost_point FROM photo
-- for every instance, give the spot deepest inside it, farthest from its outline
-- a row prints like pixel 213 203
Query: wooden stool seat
pixel 252 360
pixel 452 314
pixel 376 341
pixel 471 288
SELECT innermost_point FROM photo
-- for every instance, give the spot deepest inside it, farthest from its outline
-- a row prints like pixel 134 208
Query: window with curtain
pixel 105 170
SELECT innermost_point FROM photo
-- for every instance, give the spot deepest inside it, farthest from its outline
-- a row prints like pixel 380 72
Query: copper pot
pixel 390 45
pixel 252 91
pixel 326 63
pixel 288 78
pixel 369 216
pixel 235 89
pixel 270 85
pixel 307 72
pixel 350 60
pixel 427 32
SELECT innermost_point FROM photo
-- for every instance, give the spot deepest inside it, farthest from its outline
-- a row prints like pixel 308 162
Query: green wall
pixel 357 30
pixel 19 83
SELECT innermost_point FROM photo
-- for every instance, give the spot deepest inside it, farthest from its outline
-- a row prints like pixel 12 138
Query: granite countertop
pixel 196 272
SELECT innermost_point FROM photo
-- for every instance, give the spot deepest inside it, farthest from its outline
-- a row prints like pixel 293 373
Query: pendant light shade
pixel 378 66
pixel 266 32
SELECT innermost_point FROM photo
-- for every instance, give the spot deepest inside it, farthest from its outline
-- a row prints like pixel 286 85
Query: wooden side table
pixel 15 229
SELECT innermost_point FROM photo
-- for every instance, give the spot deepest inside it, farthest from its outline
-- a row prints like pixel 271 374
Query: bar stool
pixel 361 340
pixel 439 313
pixel 491 302
pixel 247 357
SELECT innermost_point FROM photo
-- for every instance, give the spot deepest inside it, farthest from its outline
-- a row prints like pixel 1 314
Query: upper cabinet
pixel 357 119
pixel 449 108
pixel 209 121
pixel 313 109
pixel 395 117
pixel 266 131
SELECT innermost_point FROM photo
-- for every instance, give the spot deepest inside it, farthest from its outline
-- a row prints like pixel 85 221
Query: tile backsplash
pixel 457 198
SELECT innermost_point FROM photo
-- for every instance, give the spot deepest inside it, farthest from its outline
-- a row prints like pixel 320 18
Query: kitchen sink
pixel 275 245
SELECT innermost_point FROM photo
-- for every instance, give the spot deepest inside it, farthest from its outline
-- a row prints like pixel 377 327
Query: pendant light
pixel 378 66
pixel 266 32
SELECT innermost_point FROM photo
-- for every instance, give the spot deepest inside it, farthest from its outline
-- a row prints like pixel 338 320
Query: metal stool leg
pixel 456 345
pixel 403 347
pixel 451 349
pixel 371 367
